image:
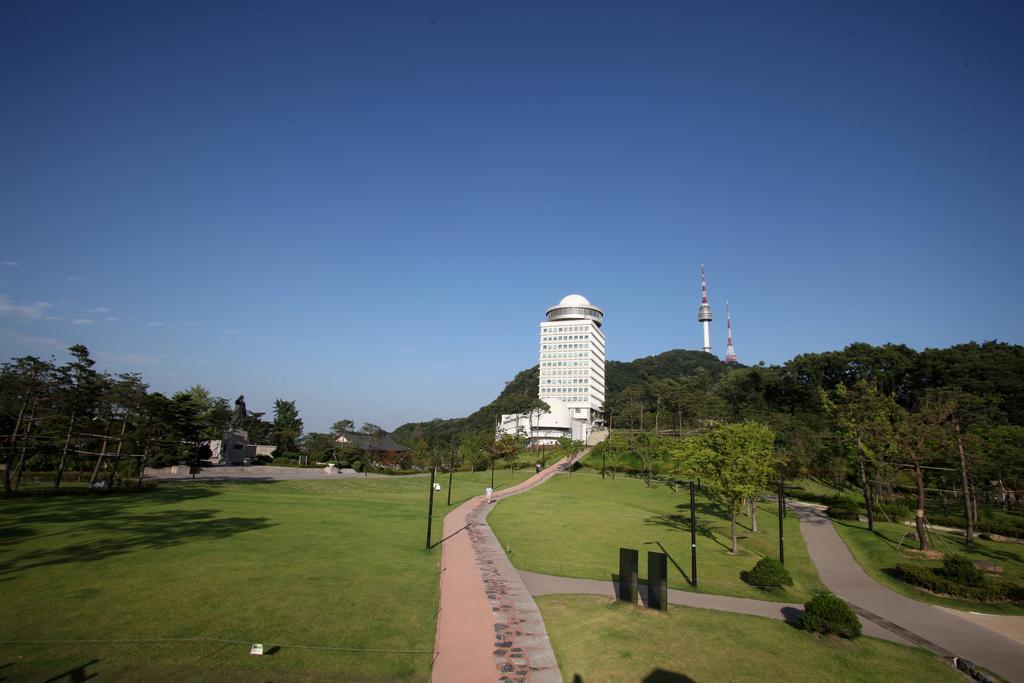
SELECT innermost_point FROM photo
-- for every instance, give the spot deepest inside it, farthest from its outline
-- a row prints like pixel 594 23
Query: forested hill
pixel 685 388
pixel 524 388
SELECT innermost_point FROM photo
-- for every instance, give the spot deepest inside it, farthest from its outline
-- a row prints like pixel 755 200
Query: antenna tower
pixel 730 352
pixel 704 312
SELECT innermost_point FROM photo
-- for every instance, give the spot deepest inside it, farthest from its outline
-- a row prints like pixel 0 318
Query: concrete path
pixel 937 629
pixel 544 584
pixel 221 473
pixel 488 626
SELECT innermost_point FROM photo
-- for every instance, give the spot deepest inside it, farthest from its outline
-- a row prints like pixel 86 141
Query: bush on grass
pixel 825 613
pixel 844 508
pixel 958 578
pixel 1003 527
pixel 768 573
pixel 357 465
pixel 959 569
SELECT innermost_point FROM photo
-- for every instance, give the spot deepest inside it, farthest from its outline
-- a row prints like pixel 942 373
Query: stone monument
pixel 232 448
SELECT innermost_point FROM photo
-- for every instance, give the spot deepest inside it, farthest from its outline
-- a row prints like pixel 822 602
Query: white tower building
pixel 572 357
pixel 571 376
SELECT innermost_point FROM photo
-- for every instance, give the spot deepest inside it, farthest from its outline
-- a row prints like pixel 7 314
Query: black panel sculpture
pixel 657 581
pixel 629 559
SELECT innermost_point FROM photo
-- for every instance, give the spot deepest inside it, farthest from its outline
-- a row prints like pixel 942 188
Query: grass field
pixel 318 563
pixel 598 640
pixel 881 550
pixel 574 526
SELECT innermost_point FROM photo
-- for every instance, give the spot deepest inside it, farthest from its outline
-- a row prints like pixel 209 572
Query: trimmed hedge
pixel 844 509
pixel 961 579
pixel 768 573
pixel 989 526
pixel 825 613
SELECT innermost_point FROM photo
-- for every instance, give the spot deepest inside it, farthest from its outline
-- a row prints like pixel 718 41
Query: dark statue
pixel 238 417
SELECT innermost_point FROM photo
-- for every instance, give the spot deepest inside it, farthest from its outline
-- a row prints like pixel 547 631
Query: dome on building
pixel 574 300
pixel 575 307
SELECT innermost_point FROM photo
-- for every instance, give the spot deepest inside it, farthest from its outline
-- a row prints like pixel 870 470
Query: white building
pixel 571 375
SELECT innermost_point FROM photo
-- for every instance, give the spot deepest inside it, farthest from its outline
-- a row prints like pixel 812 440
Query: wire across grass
pixel 155 581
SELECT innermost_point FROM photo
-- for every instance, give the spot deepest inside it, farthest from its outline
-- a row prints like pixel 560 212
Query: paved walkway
pixel 221 473
pixel 544 584
pixel 939 630
pixel 488 626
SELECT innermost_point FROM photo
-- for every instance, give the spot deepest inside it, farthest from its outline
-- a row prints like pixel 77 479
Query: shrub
pixel 358 465
pixel 768 573
pixel 959 569
pixel 897 511
pixel 1004 527
pixel 825 613
pixel 844 508
pixel 937 581
pixel 342 464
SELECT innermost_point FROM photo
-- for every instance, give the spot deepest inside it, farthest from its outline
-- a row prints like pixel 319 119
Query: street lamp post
pixel 782 514
pixel 430 505
pixel 693 537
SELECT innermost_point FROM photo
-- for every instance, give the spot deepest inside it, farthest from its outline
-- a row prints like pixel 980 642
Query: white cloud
pixel 111 319
pixel 83 321
pixel 10 263
pixel 76 279
pixel 154 324
pixel 101 309
pixel 33 311
pixel 47 342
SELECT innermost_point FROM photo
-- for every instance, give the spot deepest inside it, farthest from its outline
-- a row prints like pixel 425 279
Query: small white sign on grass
pixel 257 649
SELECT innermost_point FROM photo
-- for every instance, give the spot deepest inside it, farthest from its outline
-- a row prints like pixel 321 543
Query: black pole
pixel 450 471
pixel 430 505
pixel 492 473
pixel 782 514
pixel 693 538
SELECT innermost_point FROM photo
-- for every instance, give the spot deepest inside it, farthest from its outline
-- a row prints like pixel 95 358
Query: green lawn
pixel 878 551
pixel 574 526
pixel 596 640
pixel 337 563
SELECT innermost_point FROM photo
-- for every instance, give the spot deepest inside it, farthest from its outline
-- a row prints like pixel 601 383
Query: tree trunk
pixel 117 454
pixel 142 467
pixel 64 453
pixel 103 453
pixel 9 460
pixel 966 482
pixel 732 519
pixel 21 456
pixel 921 532
pixel 865 485
pixel 753 515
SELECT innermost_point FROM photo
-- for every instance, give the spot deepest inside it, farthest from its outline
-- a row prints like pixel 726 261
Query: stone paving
pixel 474 565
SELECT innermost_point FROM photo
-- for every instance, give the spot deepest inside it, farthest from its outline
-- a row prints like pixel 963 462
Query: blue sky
pixel 367 207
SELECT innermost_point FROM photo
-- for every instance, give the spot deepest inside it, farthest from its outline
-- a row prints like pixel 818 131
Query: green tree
pixel 320 447
pixel 341 426
pixel 81 386
pixel 862 422
pixel 23 382
pixel 287 426
pixel 734 461
pixel 127 398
